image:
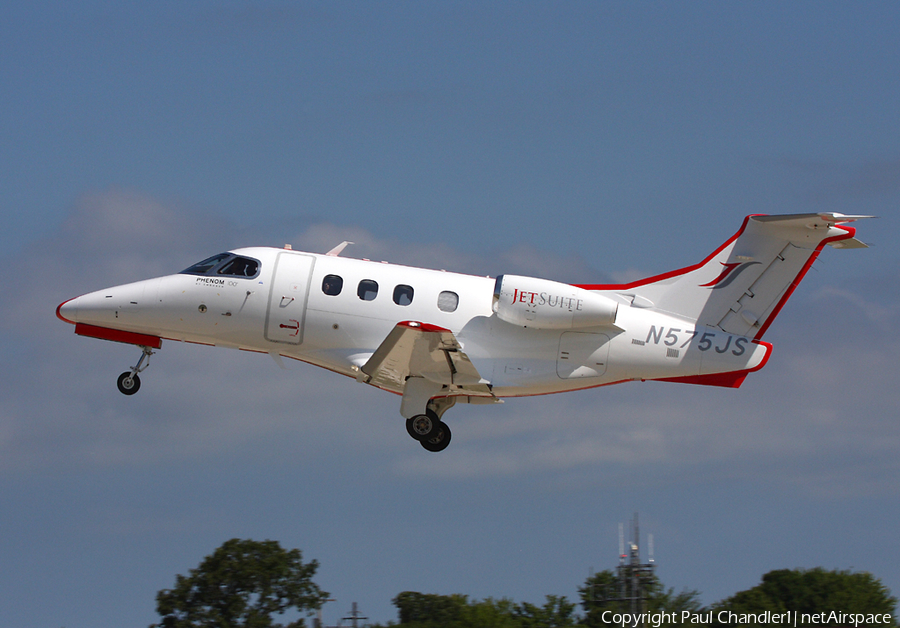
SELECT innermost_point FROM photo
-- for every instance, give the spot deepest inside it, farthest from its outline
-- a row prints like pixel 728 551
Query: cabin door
pixel 287 298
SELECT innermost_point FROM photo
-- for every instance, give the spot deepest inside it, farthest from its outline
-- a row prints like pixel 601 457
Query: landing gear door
pixel 287 298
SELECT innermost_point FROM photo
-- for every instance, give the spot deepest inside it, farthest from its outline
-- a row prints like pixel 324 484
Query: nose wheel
pixel 129 382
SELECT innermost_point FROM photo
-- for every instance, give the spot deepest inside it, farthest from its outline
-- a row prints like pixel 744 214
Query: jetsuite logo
pixel 728 274
pixel 544 298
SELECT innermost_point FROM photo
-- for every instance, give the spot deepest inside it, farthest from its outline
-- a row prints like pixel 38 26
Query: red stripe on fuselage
pixel 117 335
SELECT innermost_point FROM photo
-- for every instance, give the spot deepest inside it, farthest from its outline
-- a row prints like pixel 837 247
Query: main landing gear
pixel 129 382
pixel 432 433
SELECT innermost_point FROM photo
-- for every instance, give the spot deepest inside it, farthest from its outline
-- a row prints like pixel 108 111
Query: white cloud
pixel 881 314
pixel 431 251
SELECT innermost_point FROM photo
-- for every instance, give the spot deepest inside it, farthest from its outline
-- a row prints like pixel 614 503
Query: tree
pixel 488 613
pixel 812 591
pixel 416 608
pixel 242 584
pixel 603 592
pixel 557 612
pixel 427 610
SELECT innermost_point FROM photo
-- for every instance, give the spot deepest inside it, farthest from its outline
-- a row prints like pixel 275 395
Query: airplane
pixel 439 338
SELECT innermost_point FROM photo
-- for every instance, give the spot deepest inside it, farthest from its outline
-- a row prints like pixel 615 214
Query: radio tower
pixel 354 617
pixel 634 578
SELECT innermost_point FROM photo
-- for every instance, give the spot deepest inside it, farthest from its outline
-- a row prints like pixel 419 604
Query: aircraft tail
pixel 742 285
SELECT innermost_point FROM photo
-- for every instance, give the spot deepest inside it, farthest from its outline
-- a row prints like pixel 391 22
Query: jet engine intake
pixel 545 304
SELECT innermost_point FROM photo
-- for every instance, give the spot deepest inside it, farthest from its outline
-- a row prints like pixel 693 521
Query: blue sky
pixel 579 141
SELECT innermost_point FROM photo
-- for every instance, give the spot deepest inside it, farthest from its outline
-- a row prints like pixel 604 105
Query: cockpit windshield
pixel 225 264
pixel 201 268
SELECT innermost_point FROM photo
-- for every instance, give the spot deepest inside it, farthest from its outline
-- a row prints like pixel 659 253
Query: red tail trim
pixel 851 232
pixel 725 380
pixel 731 379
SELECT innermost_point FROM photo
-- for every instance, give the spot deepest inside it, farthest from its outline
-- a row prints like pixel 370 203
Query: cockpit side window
pixel 227 264
pixel 240 267
pixel 201 268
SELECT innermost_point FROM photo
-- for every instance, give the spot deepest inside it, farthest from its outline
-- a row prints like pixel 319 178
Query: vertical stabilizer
pixel 743 284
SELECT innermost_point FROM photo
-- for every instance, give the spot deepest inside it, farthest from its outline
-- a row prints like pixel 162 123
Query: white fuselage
pixel 284 310
pixel 440 338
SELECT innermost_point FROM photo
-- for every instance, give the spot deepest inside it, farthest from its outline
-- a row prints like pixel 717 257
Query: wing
pixel 423 361
pixel 414 349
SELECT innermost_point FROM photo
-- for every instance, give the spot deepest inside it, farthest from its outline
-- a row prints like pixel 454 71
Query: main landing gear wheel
pixel 128 384
pixel 440 441
pixel 432 433
pixel 423 426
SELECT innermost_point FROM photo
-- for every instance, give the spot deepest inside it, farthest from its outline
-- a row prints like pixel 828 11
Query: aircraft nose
pixel 67 311
pixel 96 308
pixel 112 307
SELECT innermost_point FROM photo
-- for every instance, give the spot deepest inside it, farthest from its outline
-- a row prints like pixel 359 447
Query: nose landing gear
pixel 128 382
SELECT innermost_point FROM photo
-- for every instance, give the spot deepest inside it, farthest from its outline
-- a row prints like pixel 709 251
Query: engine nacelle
pixel 545 304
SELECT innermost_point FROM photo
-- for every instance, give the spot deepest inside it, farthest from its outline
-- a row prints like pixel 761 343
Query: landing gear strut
pixel 129 382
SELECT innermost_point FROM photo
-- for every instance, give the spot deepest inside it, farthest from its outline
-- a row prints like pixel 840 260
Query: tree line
pixel 253 584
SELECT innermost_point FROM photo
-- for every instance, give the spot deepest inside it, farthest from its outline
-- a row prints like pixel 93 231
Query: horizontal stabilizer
pixel 849 243
pixel 833 218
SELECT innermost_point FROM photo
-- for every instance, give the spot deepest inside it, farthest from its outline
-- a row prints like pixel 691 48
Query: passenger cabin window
pixel 448 301
pixel 332 285
pixel 403 295
pixel 367 290
pixel 227 264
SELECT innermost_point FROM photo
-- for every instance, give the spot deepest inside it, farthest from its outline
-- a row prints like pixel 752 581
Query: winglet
pixel 337 250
